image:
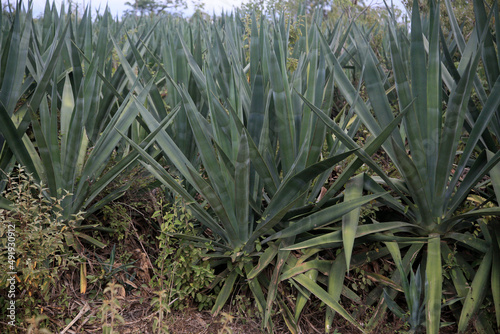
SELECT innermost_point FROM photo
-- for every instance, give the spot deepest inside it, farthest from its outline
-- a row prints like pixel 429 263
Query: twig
pixel 6 324
pixel 85 320
pixel 85 308
pixel 311 325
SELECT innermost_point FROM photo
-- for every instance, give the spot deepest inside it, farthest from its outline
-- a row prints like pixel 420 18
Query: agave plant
pixel 491 68
pixel 72 131
pixel 426 152
pixel 262 164
pixel 414 291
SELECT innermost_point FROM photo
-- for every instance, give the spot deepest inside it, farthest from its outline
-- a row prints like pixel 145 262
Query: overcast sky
pixel 118 6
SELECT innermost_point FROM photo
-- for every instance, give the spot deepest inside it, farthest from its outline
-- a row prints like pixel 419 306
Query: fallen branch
pixel 84 310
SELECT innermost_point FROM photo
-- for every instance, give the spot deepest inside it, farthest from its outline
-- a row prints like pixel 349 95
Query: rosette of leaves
pixel 427 153
pixel 262 159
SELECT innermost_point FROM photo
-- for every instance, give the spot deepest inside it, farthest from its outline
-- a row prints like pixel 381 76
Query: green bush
pixel 183 273
pixel 37 232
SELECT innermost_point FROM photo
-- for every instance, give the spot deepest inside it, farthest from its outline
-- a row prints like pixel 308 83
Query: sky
pixel 117 7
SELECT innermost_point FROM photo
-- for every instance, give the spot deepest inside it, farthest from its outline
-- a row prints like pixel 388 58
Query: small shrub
pixel 37 233
pixel 110 309
pixel 183 273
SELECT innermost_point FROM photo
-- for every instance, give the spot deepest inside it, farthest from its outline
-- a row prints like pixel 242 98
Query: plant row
pixel 278 133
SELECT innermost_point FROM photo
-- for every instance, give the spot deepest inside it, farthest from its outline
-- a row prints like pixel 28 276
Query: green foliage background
pixel 295 143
